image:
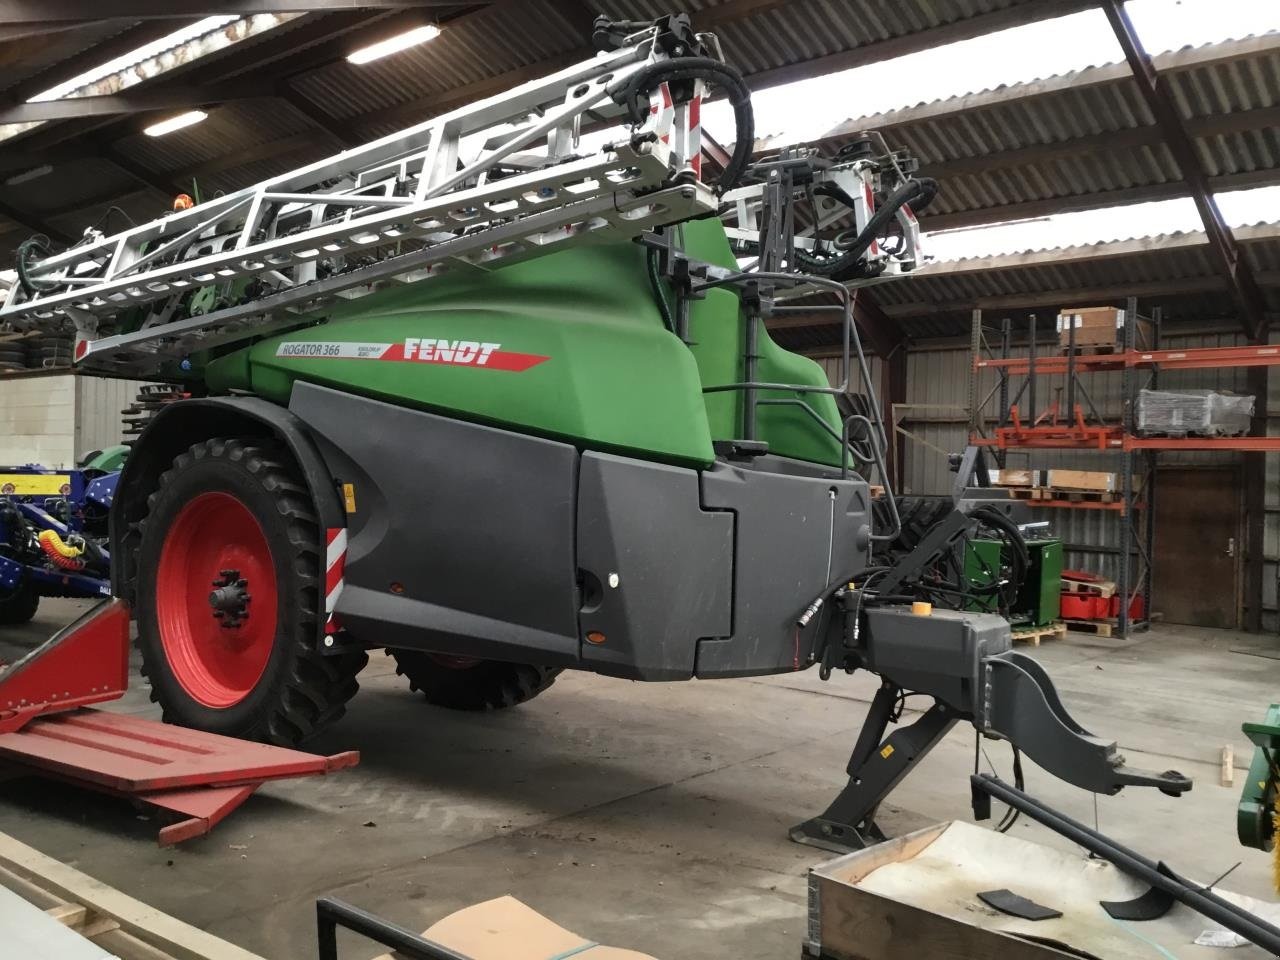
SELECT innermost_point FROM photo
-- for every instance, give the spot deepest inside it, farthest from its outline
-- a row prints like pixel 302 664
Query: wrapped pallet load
pixel 1207 413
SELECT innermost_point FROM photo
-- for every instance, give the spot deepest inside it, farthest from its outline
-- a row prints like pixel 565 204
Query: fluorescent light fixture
pixel 175 123
pixel 34 173
pixel 401 41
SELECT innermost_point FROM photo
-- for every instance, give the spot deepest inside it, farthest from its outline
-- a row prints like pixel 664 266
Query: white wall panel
pixel 37 420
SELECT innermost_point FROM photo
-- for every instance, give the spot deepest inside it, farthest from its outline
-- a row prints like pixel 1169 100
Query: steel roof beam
pixel 33 224
pixel 47 11
pixel 97 54
pixel 1263 118
pixel 1146 289
pixel 1240 280
pixel 1015 15
pixel 140 101
pixel 1028 209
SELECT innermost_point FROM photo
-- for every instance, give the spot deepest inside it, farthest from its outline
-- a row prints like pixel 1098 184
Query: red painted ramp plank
pixel 132 755
pixel 203 806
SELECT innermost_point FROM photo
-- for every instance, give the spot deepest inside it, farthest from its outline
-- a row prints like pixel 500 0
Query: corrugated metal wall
pixel 55 420
pixel 938 387
pixel 99 402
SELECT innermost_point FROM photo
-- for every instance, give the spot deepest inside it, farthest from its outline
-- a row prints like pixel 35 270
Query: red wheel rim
pixel 217 665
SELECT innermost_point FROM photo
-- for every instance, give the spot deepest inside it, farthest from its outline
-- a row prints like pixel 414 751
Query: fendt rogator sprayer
pixel 505 404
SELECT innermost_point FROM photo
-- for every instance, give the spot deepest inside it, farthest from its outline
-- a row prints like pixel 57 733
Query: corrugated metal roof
pixel 1175 271
pixel 483 51
pixel 32 55
pixel 1087 138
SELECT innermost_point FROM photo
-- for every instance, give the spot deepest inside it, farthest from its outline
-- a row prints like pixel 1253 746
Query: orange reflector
pixel 595 636
pixel 922 609
pixel 397 587
pixel 183 202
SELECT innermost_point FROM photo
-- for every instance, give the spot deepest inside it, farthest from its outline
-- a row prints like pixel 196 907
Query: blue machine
pixel 53 532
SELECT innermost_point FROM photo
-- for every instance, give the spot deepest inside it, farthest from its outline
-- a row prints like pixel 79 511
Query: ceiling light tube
pixel 175 123
pixel 401 41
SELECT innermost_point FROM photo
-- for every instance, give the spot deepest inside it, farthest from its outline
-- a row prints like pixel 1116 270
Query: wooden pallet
pixel 116 923
pixel 1062 495
pixel 1099 628
pixel 1033 635
pixel 1090 349
pixel 1092 588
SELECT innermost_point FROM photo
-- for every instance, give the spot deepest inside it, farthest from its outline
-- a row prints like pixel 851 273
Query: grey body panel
pixel 784 533
pixel 673 561
pixel 940 654
pixel 473 523
pixel 478 541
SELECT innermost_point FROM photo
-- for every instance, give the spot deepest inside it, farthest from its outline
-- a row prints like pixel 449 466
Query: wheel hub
pixel 230 599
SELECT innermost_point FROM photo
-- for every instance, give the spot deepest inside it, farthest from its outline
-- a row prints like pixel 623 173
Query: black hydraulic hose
pixel 699 68
pixel 929 190
pixel 904 196
pixel 919 191
pixel 30 285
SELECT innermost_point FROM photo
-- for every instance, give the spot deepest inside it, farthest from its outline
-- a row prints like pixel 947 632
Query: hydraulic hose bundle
pixel 916 194
pixel 634 96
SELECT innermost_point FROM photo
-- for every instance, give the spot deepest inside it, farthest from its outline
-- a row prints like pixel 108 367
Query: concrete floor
pixel 649 816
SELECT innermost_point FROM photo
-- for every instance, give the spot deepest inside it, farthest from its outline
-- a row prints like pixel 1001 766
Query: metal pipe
pixel 750 366
pixel 1031 373
pixel 1201 899
pixel 332 913
pixel 1071 369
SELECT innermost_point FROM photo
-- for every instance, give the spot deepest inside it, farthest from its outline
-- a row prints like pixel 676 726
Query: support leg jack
pixel 875 768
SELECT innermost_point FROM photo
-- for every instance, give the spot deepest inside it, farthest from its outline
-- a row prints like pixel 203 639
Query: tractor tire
pixel 463 683
pixel 232 518
pixel 18 607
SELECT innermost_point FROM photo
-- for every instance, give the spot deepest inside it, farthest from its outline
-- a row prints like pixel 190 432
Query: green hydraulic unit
pixel 1039 599
pixel 1256 813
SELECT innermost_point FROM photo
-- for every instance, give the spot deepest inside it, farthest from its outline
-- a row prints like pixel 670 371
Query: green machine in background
pixel 1256 813
pixel 1039 599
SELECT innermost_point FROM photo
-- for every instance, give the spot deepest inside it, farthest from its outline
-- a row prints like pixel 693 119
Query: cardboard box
pixel 1094 480
pixel 1015 478
pixel 1094 326
pixel 1102 327
pixel 506 929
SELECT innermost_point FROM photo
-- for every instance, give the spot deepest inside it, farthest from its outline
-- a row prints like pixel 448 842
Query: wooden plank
pixel 852 867
pixel 27 931
pixel 1099 480
pixel 1100 628
pixel 163 936
pixel 1095 588
pixel 1033 635
pixel 1228 766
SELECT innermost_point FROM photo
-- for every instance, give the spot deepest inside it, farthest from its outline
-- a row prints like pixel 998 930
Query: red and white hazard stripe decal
pixel 870 197
pixel 695 134
pixel 335 561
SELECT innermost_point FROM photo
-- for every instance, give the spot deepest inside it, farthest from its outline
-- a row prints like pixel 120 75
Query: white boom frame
pixel 412 198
